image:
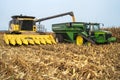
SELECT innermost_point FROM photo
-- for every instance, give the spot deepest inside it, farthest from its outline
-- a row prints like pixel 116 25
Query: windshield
pixel 95 27
pixel 27 25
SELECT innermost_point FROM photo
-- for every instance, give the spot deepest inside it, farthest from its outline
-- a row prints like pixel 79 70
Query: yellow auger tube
pixel 21 39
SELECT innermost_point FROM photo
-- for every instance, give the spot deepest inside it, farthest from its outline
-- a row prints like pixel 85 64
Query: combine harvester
pixel 22 30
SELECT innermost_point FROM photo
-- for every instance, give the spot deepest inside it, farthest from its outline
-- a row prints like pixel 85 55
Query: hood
pixel 106 31
pixel 103 31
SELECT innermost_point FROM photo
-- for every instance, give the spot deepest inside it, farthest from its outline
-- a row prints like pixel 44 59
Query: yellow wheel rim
pixel 79 40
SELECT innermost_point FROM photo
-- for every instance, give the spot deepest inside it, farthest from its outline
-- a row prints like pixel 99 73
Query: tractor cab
pixel 92 27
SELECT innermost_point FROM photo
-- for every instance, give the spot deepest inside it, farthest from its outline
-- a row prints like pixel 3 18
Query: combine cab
pixel 22 30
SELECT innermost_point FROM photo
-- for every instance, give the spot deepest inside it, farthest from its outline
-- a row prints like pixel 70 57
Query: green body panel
pixel 70 36
pixel 71 30
pixel 99 37
pixel 112 39
pixel 68 30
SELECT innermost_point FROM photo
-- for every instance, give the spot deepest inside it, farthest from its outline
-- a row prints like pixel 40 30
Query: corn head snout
pixel 28 39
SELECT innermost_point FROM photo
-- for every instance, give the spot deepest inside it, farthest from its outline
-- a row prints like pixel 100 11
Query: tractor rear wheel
pixel 79 40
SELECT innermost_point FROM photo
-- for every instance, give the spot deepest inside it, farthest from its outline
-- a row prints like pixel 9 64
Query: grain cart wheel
pixel 79 40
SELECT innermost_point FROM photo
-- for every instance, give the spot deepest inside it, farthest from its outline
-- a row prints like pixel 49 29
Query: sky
pixel 101 11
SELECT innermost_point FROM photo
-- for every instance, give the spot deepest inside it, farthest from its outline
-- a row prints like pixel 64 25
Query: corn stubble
pixel 60 62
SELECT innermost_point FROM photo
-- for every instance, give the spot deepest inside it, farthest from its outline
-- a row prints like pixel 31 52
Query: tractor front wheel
pixel 79 40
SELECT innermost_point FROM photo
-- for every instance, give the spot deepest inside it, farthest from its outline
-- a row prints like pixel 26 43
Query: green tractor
pixel 81 32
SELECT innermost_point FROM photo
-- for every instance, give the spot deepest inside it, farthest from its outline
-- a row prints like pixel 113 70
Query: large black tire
pixel 59 38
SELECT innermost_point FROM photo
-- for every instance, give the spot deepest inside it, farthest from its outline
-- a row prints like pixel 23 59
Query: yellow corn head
pixel 14 39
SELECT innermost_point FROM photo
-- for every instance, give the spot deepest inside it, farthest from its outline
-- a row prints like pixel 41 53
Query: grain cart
pixel 81 32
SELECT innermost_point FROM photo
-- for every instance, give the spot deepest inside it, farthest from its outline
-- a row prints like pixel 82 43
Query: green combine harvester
pixel 81 32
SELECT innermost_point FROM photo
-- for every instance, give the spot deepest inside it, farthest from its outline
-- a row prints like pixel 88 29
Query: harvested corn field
pixel 61 61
